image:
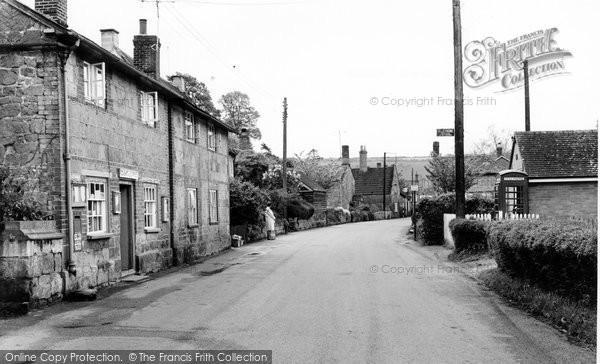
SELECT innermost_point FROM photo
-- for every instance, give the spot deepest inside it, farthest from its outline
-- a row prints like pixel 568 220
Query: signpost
pixel 445 132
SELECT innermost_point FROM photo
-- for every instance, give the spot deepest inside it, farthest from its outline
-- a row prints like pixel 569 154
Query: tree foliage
pixel 251 166
pixel 325 173
pixel 199 93
pixel 495 138
pixel 237 112
pixel 441 173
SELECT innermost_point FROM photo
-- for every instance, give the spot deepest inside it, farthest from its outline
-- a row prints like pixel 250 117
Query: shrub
pixel 16 199
pixel 247 203
pixel 432 210
pixel 469 235
pixel 558 256
pixel 300 209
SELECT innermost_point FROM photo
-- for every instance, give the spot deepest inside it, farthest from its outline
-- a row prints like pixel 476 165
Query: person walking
pixel 270 219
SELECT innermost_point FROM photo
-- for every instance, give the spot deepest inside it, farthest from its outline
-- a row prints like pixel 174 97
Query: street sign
pixel 445 132
pixel 414 188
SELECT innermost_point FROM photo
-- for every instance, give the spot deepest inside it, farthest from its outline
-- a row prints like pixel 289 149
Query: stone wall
pixel 31 264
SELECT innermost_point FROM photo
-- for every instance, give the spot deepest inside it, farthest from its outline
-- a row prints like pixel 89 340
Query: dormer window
pixel 94 83
pixel 149 102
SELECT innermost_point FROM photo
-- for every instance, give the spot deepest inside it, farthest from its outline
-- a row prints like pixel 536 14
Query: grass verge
pixel 576 319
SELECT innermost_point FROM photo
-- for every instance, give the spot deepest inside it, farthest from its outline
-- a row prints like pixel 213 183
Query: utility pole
pixel 459 149
pixel 384 167
pixel 284 161
pixel 526 73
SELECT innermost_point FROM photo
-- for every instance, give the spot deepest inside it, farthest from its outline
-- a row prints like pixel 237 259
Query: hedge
pixel 559 256
pixel 432 210
pixel 469 235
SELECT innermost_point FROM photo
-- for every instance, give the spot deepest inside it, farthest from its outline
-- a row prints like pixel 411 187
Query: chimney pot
pixel 109 39
pixel 178 82
pixel 146 52
pixel 53 9
pixel 345 155
pixel 499 150
pixel 363 158
pixel 143 26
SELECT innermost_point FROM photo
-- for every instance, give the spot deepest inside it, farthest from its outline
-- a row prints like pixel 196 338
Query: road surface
pixel 354 293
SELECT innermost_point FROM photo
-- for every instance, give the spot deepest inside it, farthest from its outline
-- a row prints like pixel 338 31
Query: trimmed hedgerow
pixel 469 235
pixel 559 256
pixel 431 211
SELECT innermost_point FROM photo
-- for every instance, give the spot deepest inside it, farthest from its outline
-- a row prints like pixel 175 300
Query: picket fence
pixel 502 216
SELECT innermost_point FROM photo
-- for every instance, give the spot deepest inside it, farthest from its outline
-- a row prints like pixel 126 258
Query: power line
pixel 203 2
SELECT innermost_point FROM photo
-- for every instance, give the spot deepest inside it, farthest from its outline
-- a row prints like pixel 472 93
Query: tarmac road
pixel 354 293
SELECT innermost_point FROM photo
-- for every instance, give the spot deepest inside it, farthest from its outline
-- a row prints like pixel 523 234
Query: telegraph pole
pixel 526 73
pixel 384 166
pixel 284 161
pixel 459 150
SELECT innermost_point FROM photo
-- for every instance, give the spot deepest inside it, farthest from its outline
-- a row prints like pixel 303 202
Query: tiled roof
pixel 555 154
pixel 371 181
pixel 310 183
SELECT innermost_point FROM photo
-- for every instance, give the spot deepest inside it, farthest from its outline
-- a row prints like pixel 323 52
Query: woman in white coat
pixel 270 219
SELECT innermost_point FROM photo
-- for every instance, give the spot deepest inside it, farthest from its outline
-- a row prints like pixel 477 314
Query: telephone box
pixel 511 192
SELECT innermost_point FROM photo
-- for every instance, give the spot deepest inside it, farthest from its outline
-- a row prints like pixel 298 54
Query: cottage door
pixel 126 228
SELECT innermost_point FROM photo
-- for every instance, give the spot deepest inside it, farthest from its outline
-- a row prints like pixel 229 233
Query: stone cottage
pixel 134 174
pixel 373 186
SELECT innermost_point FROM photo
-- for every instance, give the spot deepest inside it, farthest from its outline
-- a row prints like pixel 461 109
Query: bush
pixel 469 235
pixel 559 256
pixel 300 209
pixel 432 210
pixel 247 203
pixel 16 200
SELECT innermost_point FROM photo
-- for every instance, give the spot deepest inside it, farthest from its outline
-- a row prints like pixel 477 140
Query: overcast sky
pixel 330 58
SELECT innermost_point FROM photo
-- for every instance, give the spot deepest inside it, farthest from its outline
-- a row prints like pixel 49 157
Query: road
pixel 355 293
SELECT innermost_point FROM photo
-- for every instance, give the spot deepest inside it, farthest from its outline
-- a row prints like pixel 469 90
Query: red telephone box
pixel 511 192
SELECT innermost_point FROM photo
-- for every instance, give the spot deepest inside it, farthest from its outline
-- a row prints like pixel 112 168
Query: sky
pixel 378 73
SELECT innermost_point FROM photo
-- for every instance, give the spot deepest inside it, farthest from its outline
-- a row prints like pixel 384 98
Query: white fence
pixel 502 216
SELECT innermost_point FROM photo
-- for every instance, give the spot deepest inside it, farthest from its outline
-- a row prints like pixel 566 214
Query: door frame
pixel 131 202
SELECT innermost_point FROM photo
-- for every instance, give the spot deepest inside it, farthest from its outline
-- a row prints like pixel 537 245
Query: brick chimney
pixel 53 9
pixel 378 164
pixel 178 82
pixel 109 39
pixel 345 155
pixel 499 150
pixel 363 158
pixel 146 52
pixel 245 143
pixel 436 148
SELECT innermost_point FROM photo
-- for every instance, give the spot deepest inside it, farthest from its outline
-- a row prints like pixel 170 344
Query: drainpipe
pixel 67 155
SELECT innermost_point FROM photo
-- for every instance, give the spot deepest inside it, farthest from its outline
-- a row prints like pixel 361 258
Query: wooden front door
pixel 126 227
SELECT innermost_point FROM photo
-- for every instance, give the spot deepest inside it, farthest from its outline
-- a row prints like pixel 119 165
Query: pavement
pixel 353 293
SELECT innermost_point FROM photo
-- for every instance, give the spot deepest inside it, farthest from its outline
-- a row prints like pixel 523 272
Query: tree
pixel 198 92
pixel 251 166
pixel 325 173
pixel 441 173
pixel 237 112
pixel 488 145
pixel 247 203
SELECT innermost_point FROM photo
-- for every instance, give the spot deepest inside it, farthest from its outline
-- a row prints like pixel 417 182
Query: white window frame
pixel 213 206
pixel 212 137
pixel 192 208
pixel 94 83
pixel 97 207
pixel 150 206
pixel 149 108
pixel 189 127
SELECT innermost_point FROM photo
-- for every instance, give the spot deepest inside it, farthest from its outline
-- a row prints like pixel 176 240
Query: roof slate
pixel 552 154
pixel 371 181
